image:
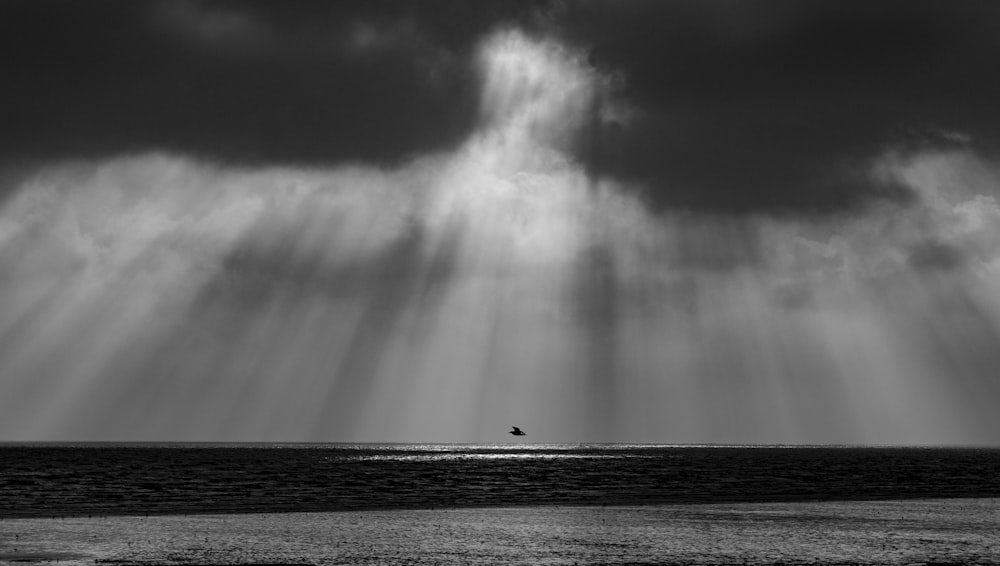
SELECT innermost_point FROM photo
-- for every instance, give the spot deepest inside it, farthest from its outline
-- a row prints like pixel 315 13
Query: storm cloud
pixel 712 106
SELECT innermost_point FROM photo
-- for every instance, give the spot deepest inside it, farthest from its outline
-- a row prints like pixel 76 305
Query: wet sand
pixel 953 531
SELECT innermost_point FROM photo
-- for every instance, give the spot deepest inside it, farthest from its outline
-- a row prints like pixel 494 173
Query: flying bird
pixel 516 431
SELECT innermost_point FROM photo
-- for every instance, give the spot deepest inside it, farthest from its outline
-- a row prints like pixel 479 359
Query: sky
pixel 633 221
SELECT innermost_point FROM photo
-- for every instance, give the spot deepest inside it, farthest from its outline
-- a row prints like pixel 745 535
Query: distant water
pixel 38 480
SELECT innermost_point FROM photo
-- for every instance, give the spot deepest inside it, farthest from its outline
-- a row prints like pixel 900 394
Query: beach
pixel 953 531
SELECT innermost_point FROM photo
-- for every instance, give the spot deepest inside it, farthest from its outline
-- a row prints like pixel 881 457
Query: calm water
pixel 40 480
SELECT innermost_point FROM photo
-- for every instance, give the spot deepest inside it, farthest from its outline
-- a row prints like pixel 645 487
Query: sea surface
pixel 64 480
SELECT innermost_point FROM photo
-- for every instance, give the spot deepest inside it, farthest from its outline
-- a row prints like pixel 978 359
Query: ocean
pixel 338 504
pixel 57 480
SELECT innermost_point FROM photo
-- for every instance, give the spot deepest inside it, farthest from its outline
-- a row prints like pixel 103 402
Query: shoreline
pixel 167 511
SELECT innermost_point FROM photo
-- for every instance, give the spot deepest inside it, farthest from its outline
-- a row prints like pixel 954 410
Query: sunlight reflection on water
pixel 438 457
pixel 496 452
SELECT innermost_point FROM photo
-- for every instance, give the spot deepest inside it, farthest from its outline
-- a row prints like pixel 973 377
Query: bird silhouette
pixel 516 431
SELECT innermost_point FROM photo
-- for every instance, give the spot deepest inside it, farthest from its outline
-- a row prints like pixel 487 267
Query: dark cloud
pixel 781 106
pixel 934 256
pixel 246 81
pixel 733 107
